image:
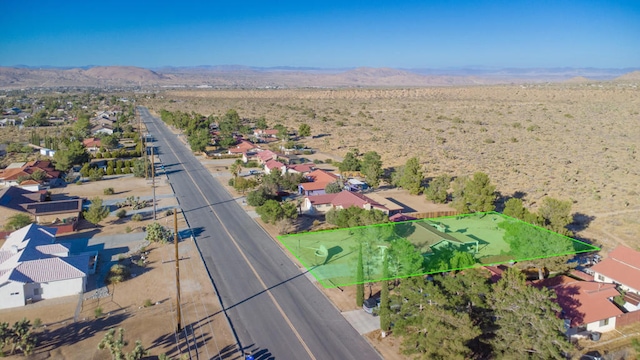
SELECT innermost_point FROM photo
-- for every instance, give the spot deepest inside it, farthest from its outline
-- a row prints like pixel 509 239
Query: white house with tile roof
pixel 33 267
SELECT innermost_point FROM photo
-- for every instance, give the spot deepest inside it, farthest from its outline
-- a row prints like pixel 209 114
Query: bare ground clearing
pixel 569 141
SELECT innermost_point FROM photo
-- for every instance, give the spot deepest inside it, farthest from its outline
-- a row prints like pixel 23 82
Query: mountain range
pixel 237 76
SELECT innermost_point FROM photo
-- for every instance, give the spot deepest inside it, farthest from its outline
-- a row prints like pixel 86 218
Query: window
pixel 600 277
pixel 37 291
pixel 604 322
pixel 15 293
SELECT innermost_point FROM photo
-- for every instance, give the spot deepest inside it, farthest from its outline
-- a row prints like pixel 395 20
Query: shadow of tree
pixel 50 339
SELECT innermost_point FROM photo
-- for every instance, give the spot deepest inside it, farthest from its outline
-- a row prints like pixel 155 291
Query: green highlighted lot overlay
pixel 419 247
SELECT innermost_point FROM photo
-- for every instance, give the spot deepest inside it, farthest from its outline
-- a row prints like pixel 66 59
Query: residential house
pixel 318 181
pixel 342 200
pixel 63 213
pixel 7 121
pixel 16 171
pixel 242 147
pixel 622 267
pixel 274 165
pixel 102 129
pixel 587 306
pixel 34 267
pixel 92 144
pixel 266 155
pixel 304 169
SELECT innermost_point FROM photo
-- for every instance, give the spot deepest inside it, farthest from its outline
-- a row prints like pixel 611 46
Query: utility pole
pixel 175 241
pixel 143 147
pixel 153 183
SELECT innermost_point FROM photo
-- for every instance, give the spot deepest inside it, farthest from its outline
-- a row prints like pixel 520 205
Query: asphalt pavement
pixel 273 309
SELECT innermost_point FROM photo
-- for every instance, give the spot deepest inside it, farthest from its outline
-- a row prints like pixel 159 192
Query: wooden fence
pixel 432 214
pixel 627 319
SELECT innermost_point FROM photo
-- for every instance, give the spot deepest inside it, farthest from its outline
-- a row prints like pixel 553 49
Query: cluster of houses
pixel 599 298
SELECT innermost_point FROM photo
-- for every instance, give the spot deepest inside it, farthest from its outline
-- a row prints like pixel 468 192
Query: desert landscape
pixel 572 141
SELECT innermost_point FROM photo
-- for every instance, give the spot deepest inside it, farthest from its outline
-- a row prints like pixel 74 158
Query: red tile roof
pixel 91 142
pixel 242 147
pixel 583 302
pixel 622 265
pixel 267 155
pixel 302 168
pixel 273 164
pixel 28 169
pixel 312 186
pixel 322 176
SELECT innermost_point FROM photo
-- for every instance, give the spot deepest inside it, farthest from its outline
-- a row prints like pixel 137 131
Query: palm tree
pixel 235 168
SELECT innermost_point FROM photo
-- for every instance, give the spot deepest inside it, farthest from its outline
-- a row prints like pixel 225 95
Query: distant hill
pixel 238 76
pixel 632 76
pixel 578 80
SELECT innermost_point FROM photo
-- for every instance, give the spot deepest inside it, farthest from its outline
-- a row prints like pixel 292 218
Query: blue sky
pixel 331 34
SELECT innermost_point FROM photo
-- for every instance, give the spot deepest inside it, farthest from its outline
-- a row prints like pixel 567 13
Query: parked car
pixel 591 355
pixel 370 305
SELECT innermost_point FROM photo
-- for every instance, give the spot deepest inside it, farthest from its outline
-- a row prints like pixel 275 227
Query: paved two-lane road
pixel 272 306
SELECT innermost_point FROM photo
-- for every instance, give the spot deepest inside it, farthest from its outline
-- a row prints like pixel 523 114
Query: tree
pixel 110 141
pixel 385 310
pixel 138 168
pixel 97 174
pixel 75 153
pixel 243 184
pixel 17 221
pixel 480 194
pixel 412 176
pixel 236 168
pixel 360 279
pixel 199 140
pixel 290 210
pixel 430 327
pixel 96 211
pixel 304 130
pixel 403 258
pixel 527 325
pixel 261 123
pixel 333 188
pixel 258 197
pixel 437 189
pixel 39 175
pixel 515 208
pixel 372 168
pixel 556 214
pixel 158 233
pixel 350 162
pixel 82 126
pixel 270 212
pixel 476 194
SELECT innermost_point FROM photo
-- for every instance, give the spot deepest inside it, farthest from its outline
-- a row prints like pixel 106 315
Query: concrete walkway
pixel 361 321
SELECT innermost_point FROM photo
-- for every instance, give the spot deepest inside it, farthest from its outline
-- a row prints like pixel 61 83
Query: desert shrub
pixel 147 303
pixel 252 164
pixel 158 233
pixel 317 161
pixel 232 182
pixel 137 217
pixel 128 229
pixel 121 213
pixel 126 170
pixel 339 123
pixel 168 212
pixel 79 182
pixel 98 156
pixel 533 128
pixel 489 141
pixel 118 171
pixel 117 274
pixel 109 170
pixel 307 152
pixel 97 312
pixel 328 161
pixel 316 223
pixel 108 191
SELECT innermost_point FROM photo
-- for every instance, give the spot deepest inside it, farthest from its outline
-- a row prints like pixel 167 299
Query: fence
pixel 627 319
pixel 432 214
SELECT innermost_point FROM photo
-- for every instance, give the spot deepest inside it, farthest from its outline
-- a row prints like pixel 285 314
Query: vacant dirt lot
pixel 569 141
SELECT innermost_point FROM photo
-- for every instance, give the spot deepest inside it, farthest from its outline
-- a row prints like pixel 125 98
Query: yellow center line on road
pixel 244 256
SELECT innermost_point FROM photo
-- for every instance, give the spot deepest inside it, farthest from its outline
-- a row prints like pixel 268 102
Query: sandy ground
pixel 575 142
